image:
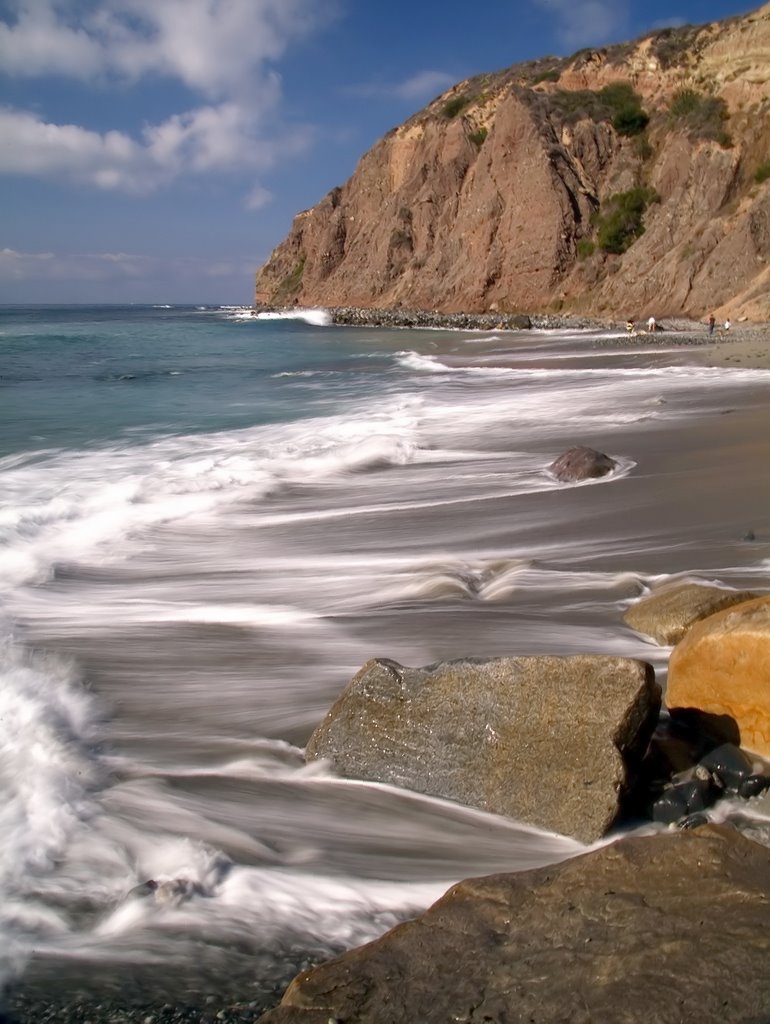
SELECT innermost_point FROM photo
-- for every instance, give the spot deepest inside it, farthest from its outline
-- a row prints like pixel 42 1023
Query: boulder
pixel 722 669
pixel 581 463
pixel 667 928
pixel 667 613
pixel 551 741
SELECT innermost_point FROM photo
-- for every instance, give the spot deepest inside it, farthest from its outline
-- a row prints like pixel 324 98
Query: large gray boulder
pixel 667 613
pixel 669 929
pixel 552 741
pixel 581 463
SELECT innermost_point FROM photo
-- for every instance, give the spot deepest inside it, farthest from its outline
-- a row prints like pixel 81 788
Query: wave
pixel 312 317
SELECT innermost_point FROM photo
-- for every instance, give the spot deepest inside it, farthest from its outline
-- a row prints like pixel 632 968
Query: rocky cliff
pixel 617 182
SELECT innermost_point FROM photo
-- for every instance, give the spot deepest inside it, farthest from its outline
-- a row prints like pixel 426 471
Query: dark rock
pixel 667 613
pixel 693 821
pixel 753 786
pixel 730 764
pixel 668 928
pixel 550 741
pixel 581 463
pixel 682 799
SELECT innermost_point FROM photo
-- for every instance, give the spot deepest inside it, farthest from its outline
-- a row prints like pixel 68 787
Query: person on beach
pixel 651 325
pixel 728 325
pixel 712 323
pixel 630 326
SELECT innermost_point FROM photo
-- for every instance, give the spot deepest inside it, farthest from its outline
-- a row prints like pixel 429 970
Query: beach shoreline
pixel 41 996
pixel 746 345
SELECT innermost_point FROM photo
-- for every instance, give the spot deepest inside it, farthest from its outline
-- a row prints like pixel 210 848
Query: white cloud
pixel 257 198
pixel 47 266
pixel 112 268
pixel 425 85
pixel 419 87
pixel 220 50
pixel 216 47
pixel 210 139
pixel 587 22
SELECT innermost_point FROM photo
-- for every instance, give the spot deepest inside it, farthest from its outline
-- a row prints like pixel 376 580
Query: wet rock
pixel 581 463
pixel 722 668
pixel 731 765
pixel 754 785
pixel 626 933
pixel 667 613
pixel 683 799
pixel 552 741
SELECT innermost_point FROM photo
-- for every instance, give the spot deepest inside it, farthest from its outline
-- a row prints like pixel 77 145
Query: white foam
pixel 312 317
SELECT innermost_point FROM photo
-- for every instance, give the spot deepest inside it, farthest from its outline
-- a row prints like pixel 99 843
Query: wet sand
pixel 746 346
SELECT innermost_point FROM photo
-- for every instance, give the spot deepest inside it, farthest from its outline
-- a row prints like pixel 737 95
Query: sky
pixel 157 150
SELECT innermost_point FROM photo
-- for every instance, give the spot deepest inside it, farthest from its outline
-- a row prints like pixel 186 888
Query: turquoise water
pixel 209 522
pixel 80 375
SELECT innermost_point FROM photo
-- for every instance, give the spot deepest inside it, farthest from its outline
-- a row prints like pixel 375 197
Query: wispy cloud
pixel 419 87
pixel 205 140
pixel 222 51
pixel 587 22
pixel 111 268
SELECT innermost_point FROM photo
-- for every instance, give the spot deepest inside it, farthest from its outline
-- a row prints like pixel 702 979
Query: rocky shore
pixel 746 345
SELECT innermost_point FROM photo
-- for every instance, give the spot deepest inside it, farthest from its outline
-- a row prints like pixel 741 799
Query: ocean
pixel 209 521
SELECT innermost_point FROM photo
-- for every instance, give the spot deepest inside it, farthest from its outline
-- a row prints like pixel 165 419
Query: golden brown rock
pixel 666 614
pixel 671 929
pixel 722 667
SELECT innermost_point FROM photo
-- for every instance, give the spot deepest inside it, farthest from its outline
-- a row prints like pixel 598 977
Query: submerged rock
pixel 581 463
pixel 722 669
pixel 552 741
pixel 667 613
pixel 667 928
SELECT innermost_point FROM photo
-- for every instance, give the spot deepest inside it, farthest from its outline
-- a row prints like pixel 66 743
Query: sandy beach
pixel 745 345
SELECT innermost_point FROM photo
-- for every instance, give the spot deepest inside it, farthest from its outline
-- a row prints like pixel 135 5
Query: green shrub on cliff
pixel 453 107
pixel 289 286
pixel 672 46
pixel 628 117
pixel 621 222
pixel 478 137
pixel 762 172
pixel 701 116
pixel 617 103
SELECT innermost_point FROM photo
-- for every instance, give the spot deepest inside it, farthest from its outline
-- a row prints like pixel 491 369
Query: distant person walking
pixel 651 325
pixel 728 325
pixel 712 323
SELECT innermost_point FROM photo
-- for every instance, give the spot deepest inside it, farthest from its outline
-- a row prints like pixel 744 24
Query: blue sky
pixel 157 150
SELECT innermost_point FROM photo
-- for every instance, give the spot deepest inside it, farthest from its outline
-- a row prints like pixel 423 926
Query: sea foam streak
pixel 217 590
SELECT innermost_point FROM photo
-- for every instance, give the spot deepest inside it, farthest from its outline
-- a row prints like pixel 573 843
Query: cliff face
pixel 618 182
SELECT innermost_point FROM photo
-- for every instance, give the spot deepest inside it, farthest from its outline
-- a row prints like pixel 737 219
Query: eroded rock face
pixel 546 740
pixel 666 614
pixel 487 198
pixel 666 928
pixel 722 667
pixel 581 463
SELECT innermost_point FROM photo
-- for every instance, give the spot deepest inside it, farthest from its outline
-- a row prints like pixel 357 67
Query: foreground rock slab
pixel 722 668
pixel 666 614
pixel 671 929
pixel 552 741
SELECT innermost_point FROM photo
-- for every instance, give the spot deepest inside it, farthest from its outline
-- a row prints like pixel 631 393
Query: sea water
pixel 210 520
